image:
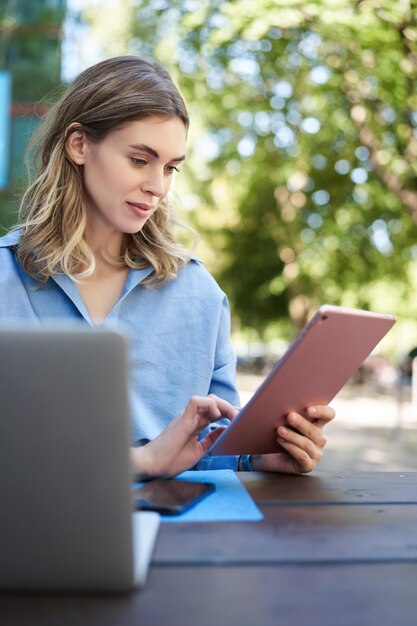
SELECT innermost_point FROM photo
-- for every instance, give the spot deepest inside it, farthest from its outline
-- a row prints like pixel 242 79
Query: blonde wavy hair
pixel 52 213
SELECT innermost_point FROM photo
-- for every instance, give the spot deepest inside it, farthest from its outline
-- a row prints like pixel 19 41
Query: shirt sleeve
pixel 223 380
pixel 208 462
pixel 223 384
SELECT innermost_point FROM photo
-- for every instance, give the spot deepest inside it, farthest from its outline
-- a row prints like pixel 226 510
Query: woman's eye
pixel 171 168
pixel 138 162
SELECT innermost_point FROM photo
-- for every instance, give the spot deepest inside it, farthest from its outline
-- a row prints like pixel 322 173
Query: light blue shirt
pixel 179 335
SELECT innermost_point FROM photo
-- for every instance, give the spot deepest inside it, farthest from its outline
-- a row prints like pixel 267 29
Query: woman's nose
pixel 154 183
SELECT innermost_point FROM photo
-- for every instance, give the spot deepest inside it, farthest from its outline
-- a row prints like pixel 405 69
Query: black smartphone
pixel 170 497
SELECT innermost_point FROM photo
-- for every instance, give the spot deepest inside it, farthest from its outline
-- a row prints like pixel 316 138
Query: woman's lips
pixel 140 209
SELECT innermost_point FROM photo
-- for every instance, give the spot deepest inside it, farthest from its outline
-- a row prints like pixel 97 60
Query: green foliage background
pixel 301 172
pixel 303 155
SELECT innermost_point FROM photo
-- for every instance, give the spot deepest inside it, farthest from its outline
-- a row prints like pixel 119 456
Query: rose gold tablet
pixel 328 351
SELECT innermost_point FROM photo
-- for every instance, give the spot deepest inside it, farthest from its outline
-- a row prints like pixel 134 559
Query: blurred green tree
pixel 303 155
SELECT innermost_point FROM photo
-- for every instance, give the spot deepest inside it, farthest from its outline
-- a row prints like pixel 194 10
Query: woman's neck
pixel 105 245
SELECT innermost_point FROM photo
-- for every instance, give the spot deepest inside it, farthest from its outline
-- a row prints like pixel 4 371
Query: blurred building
pixel 30 69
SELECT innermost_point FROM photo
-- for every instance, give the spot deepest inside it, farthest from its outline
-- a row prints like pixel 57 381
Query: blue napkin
pixel 230 502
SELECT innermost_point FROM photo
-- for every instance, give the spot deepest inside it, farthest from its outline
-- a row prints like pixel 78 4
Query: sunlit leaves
pixel 304 116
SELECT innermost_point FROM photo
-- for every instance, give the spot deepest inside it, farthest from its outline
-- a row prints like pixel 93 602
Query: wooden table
pixel 334 549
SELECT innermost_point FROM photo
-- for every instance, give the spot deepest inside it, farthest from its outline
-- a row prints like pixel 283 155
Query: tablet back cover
pixel 328 351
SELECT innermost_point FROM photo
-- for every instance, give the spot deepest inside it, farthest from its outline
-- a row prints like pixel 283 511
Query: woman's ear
pixel 75 143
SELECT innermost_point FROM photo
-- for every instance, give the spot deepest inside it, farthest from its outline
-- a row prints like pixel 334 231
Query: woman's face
pixel 129 172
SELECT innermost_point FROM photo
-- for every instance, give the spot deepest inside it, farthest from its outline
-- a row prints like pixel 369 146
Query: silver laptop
pixel 66 520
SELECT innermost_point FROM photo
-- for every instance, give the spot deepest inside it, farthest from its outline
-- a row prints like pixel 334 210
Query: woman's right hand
pixel 178 448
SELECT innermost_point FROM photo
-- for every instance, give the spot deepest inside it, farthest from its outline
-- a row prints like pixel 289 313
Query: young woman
pixel 96 245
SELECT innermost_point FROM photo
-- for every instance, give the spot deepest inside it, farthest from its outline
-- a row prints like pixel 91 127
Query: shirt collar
pixel 11 239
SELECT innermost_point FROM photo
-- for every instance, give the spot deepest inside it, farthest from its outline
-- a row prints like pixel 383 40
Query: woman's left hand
pixel 302 440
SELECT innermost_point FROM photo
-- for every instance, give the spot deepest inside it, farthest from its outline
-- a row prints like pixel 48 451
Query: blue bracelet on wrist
pixel 244 463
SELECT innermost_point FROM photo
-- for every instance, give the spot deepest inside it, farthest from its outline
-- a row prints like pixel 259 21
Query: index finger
pixel 226 409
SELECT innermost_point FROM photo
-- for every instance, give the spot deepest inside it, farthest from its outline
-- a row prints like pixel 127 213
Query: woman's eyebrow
pixel 144 148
